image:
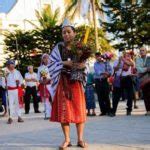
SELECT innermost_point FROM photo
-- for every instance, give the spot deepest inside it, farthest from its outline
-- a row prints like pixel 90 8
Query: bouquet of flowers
pixel 80 54
pixel 43 73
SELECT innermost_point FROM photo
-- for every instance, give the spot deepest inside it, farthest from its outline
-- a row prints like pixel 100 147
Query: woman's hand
pixel 68 63
pixel 79 65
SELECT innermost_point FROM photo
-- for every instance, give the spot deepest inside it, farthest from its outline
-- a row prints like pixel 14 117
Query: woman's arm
pixel 79 65
pixel 128 62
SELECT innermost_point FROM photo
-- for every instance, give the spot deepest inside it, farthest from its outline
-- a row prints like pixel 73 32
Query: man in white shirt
pixel 14 81
pixel 31 90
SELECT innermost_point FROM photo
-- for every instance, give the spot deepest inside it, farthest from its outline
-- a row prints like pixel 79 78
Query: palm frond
pixel 33 24
pixel 73 5
pixel 47 18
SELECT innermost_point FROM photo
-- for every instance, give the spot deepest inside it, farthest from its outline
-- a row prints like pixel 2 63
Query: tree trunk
pixel 95 25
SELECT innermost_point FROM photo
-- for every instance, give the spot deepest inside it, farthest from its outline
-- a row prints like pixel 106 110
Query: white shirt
pixel 31 76
pixel 45 68
pixel 12 77
pixel 120 72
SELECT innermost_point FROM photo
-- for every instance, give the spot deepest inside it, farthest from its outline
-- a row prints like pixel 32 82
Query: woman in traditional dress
pixel 44 79
pixel 68 104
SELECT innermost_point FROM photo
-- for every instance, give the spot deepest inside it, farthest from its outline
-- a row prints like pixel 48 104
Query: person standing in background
pixel 123 82
pixel 44 80
pixel 102 71
pixel 143 68
pixel 14 81
pixel 31 90
pixel 89 95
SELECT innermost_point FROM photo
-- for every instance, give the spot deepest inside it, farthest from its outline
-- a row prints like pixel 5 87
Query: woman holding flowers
pixel 67 74
pixel 44 80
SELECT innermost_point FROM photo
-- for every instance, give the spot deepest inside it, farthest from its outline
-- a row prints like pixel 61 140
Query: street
pixel 102 133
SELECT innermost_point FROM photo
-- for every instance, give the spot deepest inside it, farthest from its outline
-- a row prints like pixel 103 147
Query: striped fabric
pixel 55 66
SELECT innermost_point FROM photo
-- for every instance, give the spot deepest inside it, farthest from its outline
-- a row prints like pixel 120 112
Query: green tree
pixel 129 22
pixel 19 46
pixel 46 39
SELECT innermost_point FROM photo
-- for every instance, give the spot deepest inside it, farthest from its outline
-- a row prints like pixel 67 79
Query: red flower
pixel 81 52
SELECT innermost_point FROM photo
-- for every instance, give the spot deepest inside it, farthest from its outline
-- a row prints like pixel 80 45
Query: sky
pixel 5 5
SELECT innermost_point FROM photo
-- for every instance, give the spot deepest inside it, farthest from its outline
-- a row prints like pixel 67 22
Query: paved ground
pixel 102 133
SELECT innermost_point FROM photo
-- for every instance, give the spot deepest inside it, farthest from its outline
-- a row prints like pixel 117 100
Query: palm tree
pixel 46 18
pixel 74 8
pixel 47 32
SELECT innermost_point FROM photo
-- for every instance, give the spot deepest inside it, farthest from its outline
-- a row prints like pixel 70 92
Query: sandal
pixel 82 144
pixel 65 145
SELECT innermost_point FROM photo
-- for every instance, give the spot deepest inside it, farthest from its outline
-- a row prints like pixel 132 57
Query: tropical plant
pixel 47 18
pixel 46 39
pixel 105 44
pixel 74 8
pixel 20 46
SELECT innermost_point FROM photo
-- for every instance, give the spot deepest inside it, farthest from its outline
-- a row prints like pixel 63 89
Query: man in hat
pixel 14 82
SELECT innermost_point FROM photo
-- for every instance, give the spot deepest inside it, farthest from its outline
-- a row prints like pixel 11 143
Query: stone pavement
pixel 102 133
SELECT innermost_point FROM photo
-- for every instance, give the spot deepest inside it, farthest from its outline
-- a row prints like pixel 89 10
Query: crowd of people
pixel 126 79
pixel 64 98
pixel 17 92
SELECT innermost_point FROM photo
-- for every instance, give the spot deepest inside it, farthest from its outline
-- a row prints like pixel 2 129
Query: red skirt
pixel 43 91
pixel 66 110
